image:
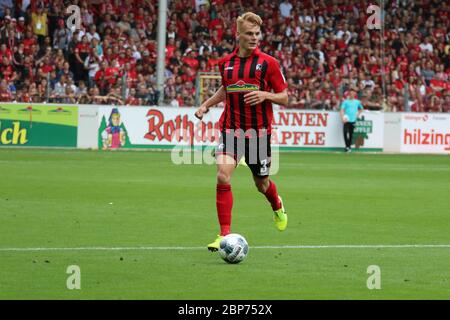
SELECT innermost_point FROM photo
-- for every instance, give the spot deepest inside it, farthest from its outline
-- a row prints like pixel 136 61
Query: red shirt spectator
pixel 399 84
pixel 6 69
pixel 132 77
pixel 438 86
pixel 190 59
pixel 212 62
pixel 170 49
pixel 47 68
pixel 5 52
pixel 113 73
pixel 82 48
pixel 132 101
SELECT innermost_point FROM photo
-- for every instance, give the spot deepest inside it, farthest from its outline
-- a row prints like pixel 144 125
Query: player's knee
pixel 262 185
pixel 223 177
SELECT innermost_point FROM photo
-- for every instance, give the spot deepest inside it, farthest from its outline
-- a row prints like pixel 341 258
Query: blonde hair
pixel 249 17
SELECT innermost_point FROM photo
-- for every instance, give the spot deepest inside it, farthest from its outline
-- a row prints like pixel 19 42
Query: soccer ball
pixel 233 248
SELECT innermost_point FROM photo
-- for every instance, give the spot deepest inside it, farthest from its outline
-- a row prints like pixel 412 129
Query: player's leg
pixel 224 196
pixel 226 165
pixel 227 155
pixel 269 189
pixel 259 164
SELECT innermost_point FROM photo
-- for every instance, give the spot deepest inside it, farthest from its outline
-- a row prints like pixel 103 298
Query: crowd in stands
pixel 324 48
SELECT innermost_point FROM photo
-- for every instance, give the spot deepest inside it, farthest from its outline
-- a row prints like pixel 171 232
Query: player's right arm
pixel 218 97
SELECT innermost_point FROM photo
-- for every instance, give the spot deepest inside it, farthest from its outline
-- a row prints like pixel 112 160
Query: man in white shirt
pixel 427 46
pixel 285 9
pixel 92 33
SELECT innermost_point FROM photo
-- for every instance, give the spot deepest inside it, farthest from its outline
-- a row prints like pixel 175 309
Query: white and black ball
pixel 233 248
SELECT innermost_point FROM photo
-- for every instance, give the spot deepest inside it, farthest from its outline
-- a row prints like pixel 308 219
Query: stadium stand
pixel 324 47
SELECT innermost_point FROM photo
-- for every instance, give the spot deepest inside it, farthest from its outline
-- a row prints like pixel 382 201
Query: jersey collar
pixel 255 52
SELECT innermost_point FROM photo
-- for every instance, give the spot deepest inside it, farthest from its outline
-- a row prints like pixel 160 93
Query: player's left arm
pixel 277 81
pixel 256 97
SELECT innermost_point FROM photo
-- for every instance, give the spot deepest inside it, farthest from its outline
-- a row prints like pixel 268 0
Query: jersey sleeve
pixel 276 78
pixel 343 104
pixel 221 65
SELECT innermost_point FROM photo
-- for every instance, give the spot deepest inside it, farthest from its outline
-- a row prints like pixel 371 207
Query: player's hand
pixel 255 97
pixel 200 112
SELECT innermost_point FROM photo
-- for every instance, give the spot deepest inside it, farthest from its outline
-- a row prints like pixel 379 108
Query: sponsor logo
pixel 179 129
pixel 59 111
pixel 363 128
pixel 437 118
pixel 112 133
pixel 241 86
pixel 417 118
pixel 424 137
pixel 307 119
pixel 29 110
pixel 14 135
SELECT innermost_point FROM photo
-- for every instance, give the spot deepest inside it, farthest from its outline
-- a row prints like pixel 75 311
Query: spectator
pixel 92 64
pixel 39 23
pixel 5 92
pixel 428 73
pixel 92 33
pixel 60 90
pixel 107 23
pixel 87 17
pixel 6 6
pixel 426 45
pixel 69 96
pixel 20 29
pixel 132 100
pixel 100 79
pixel 65 71
pixel 6 30
pixel 285 9
pixel 61 36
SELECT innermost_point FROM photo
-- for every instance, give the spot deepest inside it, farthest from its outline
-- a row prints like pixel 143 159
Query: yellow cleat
pixel 280 217
pixel 214 246
pixel 242 162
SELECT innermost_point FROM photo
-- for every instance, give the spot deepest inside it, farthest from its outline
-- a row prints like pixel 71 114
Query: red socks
pixel 224 203
pixel 272 195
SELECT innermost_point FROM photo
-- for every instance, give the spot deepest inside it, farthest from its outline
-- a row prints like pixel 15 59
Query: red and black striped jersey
pixel 259 71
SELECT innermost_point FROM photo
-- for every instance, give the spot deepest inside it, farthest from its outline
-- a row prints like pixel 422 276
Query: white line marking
pixel 343 246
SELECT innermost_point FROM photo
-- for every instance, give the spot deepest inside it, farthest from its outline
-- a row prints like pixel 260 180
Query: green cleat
pixel 280 217
pixel 242 162
pixel 214 246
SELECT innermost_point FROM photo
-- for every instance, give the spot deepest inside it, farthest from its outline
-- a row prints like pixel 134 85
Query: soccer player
pixel 251 82
pixel 351 109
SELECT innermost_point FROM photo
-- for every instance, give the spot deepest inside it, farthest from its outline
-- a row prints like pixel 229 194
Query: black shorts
pixel 256 149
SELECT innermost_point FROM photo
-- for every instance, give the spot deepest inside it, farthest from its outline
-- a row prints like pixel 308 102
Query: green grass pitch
pixel 117 200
